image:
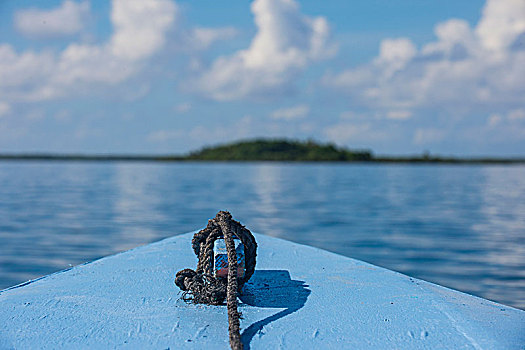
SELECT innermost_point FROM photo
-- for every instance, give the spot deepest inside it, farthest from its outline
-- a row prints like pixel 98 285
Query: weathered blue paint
pixel 129 301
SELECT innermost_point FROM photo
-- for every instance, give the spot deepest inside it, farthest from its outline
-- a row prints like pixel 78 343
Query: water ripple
pixel 459 226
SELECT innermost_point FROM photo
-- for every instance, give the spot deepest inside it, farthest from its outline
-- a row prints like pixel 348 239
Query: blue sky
pixel 162 76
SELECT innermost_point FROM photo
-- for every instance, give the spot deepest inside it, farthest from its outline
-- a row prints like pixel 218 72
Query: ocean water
pixel 459 226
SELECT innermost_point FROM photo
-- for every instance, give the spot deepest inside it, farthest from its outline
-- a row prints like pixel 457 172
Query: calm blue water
pixel 459 226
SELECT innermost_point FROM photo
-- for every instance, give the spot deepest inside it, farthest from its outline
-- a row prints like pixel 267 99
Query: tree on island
pixel 280 150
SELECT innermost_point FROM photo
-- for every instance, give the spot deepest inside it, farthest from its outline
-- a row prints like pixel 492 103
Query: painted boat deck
pixel 299 297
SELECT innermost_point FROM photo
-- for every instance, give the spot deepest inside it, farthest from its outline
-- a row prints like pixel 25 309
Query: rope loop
pixel 201 287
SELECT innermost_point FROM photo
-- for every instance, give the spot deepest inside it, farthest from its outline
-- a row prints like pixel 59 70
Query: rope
pixel 201 287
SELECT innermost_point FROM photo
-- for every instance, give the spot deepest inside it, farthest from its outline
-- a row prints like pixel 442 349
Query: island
pixel 280 150
pixel 271 150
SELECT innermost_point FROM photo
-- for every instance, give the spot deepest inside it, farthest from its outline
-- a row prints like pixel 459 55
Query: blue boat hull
pixel 299 297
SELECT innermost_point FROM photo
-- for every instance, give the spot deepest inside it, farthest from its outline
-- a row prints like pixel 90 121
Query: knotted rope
pixel 201 287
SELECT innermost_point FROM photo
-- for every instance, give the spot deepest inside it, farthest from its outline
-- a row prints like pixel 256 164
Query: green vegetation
pixel 279 150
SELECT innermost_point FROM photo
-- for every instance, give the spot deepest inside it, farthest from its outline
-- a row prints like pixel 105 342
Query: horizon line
pixel 424 157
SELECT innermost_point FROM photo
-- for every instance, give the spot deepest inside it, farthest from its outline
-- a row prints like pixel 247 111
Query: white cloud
pixel 291 113
pixel 202 37
pixel 465 70
pixel 502 22
pixel 394 54
pixel 140 27
pixel 5 108
pixel 140 31
pixel 67 19
pixel 285 43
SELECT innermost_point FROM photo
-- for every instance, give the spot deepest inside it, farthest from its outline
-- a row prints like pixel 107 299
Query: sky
pixel 163 76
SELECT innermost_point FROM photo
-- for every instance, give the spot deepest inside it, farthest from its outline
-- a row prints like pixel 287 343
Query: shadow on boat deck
pixel 272 289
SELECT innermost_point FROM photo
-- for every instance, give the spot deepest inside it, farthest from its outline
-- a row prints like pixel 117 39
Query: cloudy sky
pixel 163 76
